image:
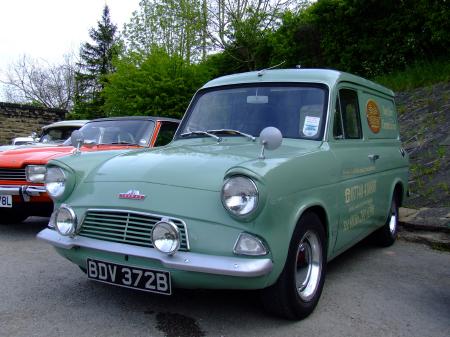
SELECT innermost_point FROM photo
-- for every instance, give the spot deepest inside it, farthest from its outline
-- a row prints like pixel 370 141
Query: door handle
pixel 374 157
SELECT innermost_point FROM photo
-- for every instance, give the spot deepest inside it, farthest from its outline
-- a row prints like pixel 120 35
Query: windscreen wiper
pixel 205 133
pixel 234 132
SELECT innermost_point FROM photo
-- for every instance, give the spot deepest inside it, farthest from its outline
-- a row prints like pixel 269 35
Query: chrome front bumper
pixel 186 261
pixel 25 191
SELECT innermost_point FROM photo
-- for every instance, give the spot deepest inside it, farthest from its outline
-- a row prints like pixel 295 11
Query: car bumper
pixel 183 261
pixel 26 192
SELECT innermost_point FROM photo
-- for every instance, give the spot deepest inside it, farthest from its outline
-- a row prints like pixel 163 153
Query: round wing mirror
pixel 270 139
pixel 77 139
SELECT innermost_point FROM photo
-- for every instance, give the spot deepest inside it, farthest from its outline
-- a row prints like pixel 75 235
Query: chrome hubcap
pixel 308 265
pixel 393 219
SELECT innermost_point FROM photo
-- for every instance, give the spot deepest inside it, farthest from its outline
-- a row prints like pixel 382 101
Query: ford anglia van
pixel 22 170
pixel 270 175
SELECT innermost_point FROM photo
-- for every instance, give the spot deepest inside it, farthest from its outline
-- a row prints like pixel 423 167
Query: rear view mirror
pixel 257 99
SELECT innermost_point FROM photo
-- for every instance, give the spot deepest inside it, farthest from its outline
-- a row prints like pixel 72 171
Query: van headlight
pixel 240 195
pixel 55 181
pixel 65 221
pixel 35 173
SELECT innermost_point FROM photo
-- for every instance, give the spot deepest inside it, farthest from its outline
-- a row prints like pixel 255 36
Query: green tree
pixel 177 27
pixel 96 62
pixel 367 37
pixel 241 29
pixel 156 84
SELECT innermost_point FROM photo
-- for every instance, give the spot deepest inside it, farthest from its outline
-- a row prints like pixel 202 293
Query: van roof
pixel 324 76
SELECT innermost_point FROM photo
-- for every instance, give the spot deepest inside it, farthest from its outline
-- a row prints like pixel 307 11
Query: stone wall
pixel 18 120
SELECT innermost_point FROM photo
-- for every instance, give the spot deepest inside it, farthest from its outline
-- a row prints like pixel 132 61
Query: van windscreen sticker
pixel 311 126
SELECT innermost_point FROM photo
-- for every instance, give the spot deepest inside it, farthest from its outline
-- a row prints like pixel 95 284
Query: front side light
pixel 35 173
pixel 166 237
pixel 55 181
pixel 240 195
pixel 248 244
pixel 65 221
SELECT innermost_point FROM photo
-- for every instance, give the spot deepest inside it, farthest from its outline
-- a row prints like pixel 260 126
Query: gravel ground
pixel 403 290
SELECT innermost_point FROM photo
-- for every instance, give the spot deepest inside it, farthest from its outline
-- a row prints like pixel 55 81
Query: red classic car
pixel 22 171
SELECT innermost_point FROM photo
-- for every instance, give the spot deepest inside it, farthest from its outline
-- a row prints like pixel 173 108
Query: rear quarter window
pixel 378 116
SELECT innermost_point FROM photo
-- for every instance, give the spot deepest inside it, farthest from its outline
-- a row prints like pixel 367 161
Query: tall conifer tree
pixel 95 64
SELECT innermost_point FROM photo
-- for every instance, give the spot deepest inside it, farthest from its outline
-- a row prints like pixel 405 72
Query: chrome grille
pixel 129 227
pixel 12 174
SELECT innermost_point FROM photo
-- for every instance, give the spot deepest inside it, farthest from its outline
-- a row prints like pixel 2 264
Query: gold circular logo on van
pixel 373 116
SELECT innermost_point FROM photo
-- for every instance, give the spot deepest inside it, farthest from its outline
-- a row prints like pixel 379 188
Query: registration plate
pixel 150 280
pixel 6 201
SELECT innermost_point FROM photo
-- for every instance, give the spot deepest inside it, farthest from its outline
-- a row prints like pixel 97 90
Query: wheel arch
pixel 320 211
pixel 398 190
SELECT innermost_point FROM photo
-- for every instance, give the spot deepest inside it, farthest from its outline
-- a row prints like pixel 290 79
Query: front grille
pixel 12 174
pixel 129 227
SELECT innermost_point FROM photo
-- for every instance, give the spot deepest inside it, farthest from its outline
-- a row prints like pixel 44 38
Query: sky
pixel 50 29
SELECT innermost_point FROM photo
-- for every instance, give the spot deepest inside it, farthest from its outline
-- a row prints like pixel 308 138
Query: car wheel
pixel 14 217
pixel 298 289
pixel 386 235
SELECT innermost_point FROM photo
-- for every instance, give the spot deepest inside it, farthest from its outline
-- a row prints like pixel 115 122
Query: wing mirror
pixel 270 139
pixel 76 138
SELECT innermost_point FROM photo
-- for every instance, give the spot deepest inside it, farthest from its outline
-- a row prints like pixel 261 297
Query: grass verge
pixel 416 75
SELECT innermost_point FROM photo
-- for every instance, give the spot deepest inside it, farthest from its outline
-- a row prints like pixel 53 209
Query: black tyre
pixel 298 289
pixel 12 217
pixel 386 235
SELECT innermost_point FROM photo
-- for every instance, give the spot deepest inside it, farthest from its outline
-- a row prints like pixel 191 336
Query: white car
pixel 51 135
pixel 23 140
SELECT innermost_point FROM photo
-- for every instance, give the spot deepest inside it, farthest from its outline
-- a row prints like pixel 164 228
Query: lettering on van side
pixel 360 191
pixel 359 217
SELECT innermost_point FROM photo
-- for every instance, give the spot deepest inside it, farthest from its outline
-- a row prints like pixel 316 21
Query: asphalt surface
pixel 403 290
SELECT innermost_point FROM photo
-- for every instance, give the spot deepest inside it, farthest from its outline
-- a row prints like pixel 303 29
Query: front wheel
pixel 298 289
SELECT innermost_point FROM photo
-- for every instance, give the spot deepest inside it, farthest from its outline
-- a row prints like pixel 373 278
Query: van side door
pixel 357 185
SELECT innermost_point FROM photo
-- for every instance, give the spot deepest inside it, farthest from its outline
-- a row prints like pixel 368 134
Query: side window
pixel 166 133
pixel 347 117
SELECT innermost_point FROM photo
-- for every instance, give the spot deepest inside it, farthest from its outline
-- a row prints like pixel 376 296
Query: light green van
pixel 270 175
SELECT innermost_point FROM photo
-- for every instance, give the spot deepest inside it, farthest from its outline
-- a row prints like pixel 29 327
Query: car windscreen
pixel 126 132
pixel 298 111
pixel 57 134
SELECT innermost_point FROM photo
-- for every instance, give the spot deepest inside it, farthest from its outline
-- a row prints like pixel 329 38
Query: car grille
pixel 12 174
pixel 133 228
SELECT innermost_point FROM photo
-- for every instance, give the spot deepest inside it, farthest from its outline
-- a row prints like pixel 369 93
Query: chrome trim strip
pixel 22 190
pixel 10 190
pixel 186 261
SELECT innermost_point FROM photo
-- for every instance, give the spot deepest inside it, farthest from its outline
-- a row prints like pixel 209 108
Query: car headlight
pixel 35 173
pixel 240 195
pixel 166 237
pixel 55 181
pixel 65 221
